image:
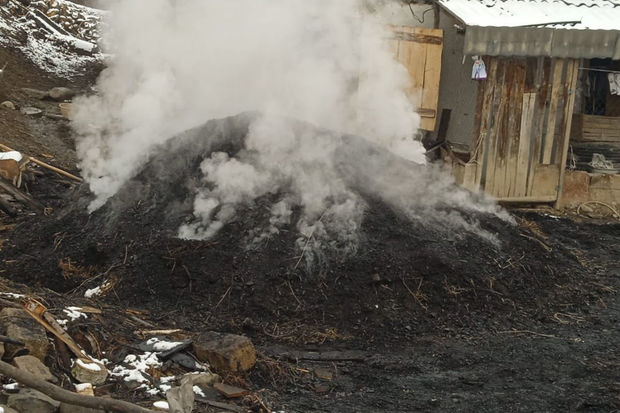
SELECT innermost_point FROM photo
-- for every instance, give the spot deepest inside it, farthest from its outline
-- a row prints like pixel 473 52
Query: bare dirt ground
pixel 419 320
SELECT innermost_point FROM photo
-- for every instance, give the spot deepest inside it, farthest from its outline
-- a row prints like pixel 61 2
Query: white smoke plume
pixel 179 63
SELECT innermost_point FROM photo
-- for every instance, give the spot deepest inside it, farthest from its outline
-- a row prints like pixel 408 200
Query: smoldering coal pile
pixel 391 224
pixel 211 183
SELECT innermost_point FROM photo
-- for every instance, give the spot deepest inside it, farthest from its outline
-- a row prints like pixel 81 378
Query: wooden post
pixel 571 75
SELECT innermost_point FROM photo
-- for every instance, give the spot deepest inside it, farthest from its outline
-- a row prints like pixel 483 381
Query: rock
pixel 19 325
pixel 323 374
pixel 70 408
pixel 61 93
pixel 230 392
pixel 93 373
pixel 35 93
pixel 32 111
pixel 8 104
pixel 225 352
pixel 32 401
pixel 33 365
pixel 7 409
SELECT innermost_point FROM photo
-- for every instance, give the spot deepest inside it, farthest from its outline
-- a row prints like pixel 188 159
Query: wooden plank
pixel 430 88
pixel 545 179
pixel 417 37
pixel 556 91
pixel 413 57
pixel 419 50
pixel 514 122
pixel 426 113
pixel 503 136
pixel 492 135
pixel 525 136
pixel 593 128
pixel 539 120
pixel 469 176
pixel 526 200
pixel 573 71
pixel 482 147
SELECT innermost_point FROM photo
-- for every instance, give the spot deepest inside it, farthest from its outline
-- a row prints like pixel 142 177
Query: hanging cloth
pixel 479 70
pixel 614 83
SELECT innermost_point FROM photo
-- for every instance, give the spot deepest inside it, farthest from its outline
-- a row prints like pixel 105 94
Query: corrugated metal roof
pixel 564 14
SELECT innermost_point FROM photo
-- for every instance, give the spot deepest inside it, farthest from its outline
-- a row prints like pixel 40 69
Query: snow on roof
pixel 565 14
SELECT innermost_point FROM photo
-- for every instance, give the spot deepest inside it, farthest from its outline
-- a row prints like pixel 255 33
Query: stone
pixel 85 372
pixel 230 392
pixel 19 325
pixel 70 408
pixel 7 409
pixel 323 374
pixel 34 366
pixel 32 111
pixel 61 93
pixel 32 401
pixel 225 352
pixel 35 93
pixel 8 104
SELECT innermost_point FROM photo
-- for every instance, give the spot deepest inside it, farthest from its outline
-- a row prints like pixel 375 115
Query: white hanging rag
pixel 479 70
pixel 614 83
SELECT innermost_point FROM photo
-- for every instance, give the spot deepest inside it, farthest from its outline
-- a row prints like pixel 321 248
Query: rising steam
pixel 179 63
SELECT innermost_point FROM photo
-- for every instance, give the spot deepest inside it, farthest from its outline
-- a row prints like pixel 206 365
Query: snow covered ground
pixel 65 52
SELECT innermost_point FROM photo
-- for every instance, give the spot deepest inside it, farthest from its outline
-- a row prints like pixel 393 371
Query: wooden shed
pixel 519 119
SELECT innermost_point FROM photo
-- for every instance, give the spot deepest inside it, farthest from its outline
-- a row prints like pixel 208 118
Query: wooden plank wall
pixel 523 114
pixel 419 50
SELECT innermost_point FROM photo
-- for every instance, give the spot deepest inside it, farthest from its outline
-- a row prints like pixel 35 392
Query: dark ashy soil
pixel 445 320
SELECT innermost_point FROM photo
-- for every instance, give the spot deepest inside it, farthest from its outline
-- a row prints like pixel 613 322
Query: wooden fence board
pixel 556 91
pixel 492 134
pixel 516 106
pixel 482 149
pixel 525 131
pixel 572 73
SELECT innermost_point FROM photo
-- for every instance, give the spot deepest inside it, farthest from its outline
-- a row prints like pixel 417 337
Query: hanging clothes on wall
pixel 479 70
pixel 614 83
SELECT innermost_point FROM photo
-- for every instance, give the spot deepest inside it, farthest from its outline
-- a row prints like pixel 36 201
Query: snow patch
pixel 74 313
pixel 162 345
pixel 136 366
pixel 161 405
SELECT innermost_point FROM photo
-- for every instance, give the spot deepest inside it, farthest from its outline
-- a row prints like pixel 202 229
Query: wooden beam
pixel 573 71
pixel 556 92
pixel 485 119
pixel 527 200
pixel 516 106
pixel 525 137
pixel 417 37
